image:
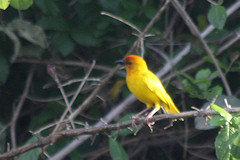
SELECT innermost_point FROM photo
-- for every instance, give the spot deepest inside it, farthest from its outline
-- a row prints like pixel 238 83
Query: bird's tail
pixel 171 108
pixel 169 105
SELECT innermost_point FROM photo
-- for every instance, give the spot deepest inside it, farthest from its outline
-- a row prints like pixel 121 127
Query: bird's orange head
pixel 133 63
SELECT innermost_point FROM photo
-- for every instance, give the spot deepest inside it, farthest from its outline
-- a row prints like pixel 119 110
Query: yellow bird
pixel 147 87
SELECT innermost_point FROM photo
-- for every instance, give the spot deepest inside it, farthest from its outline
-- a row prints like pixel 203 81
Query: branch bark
pixel 105 128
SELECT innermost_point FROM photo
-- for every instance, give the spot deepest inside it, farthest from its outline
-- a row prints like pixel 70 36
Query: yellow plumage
pixel 146 86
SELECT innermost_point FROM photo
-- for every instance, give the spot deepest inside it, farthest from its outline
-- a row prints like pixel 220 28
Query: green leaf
pixel 4 4
pixel 222 143
pixel 21 4
pixel 222 112
pixel 217 121
pixel 212 92
pixel 63 43
pixel 202 79
pixel 235 121
pixel 32 154
pixel 232 100
pixel 192 89
pixel 124 132
pixel 235 151
pixel 209 59
pixel 203 84
pixel 54 23
pixel 202 124
pixel 187 76
pixel 189 85
pixel 116 150
pixel 217 16
pixel 203 74
pixel 30 32
pixel 84 37
pixel 4 69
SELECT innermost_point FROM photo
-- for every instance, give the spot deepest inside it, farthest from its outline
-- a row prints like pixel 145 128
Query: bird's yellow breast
pixel 137 85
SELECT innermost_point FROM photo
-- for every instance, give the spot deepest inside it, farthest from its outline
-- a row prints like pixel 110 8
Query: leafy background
pixel 70 34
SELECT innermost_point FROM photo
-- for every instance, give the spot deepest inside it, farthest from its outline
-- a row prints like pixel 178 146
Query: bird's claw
pixel 150 124
pixel 134 121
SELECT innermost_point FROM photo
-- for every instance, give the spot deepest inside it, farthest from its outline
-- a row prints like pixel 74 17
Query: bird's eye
pixel 128 63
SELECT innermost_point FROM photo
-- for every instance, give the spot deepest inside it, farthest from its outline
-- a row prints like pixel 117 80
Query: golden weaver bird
pixel 147 87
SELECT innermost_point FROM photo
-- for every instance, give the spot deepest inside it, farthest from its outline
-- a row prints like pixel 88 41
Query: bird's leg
pixel 171 121
pixel 149 116
pixel 164 111
pixel 170 125
pixel 137 116
pixel 140 113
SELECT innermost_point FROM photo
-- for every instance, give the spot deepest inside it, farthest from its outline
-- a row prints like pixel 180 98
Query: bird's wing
pixel 155 85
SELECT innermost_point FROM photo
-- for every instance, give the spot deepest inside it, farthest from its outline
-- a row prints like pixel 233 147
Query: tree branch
pixel 105 128
pixel 69 63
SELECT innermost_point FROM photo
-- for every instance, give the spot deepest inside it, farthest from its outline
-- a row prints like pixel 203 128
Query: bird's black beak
pixel 121 61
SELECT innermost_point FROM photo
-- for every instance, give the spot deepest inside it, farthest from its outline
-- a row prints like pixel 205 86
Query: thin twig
pixel 70 63
pixel 3 128
pixel 60 121
pixel 19 107
pixel 212 2
pixel 88 101
pixel 63 94
pixel 82 84
pixel 53 73
pixel 158 51
pixel 75 96
pixel 44 128
pixel 121 20
pixel 80 80
pixel 155 18
pixel 228 44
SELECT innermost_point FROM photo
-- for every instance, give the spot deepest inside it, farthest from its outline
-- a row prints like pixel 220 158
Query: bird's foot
pixel 170 125
pixel 150 124
pixel 134 120
pixel 137 116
